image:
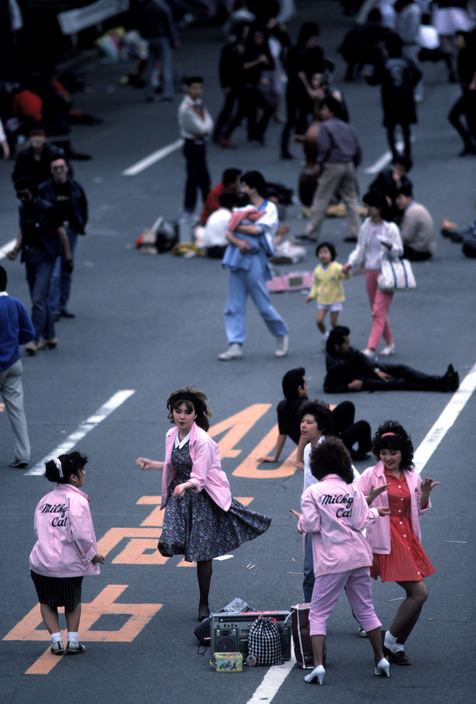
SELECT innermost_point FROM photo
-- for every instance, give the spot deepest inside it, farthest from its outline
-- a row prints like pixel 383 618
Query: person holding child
pixel 327 287
pixel 395 542
pixel 202 520
pixel 334 512
pixel 65 549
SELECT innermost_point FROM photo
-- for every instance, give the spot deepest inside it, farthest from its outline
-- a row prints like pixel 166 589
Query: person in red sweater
pixel 230 183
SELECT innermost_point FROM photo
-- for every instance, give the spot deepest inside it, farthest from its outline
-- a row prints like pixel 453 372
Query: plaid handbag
pixel 264 642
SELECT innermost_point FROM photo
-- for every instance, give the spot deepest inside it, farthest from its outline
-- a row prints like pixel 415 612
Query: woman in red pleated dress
pixel 395 539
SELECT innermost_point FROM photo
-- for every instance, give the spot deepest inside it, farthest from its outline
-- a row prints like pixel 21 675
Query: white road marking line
pixel 436 434
pixel 6 248
pixel 275 676
pixel 272 681
pixel 152 158
pixel 88 425
pixel 381 163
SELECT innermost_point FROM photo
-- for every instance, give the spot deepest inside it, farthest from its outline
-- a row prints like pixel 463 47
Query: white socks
pixel 390 642
pixel 56 637
pixel 72 636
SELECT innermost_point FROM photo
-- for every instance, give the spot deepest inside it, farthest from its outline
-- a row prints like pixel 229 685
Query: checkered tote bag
pixel 264 642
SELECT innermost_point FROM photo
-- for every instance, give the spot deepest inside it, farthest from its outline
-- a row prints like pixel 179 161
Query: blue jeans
pixel 38 275
pixel 241 285
pixel 308 569
pixel 60 287
pixel 160 51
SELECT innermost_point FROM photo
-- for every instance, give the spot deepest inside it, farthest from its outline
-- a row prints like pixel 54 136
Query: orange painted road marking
pixel 104 603
pixel 237 426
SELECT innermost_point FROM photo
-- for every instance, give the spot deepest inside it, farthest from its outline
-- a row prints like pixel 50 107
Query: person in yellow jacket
pixel 327 287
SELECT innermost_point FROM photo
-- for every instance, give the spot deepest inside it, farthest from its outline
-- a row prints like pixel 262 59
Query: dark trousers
pixel 224 118
pixel 348 431
pixel 198 177
pixel 414 256
pixel 464 106
pixel 403 379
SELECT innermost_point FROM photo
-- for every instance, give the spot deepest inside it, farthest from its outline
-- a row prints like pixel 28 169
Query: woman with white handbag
pixel 378 240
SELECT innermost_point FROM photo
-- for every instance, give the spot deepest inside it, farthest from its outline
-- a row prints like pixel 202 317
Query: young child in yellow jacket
pixel 327 287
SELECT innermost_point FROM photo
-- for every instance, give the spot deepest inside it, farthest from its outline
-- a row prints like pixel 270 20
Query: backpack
pixel 264 642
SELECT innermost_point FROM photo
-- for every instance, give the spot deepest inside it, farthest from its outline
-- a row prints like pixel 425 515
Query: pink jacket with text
pixel 206 471
pixel 378 534
pixel 65 539
pixel 335 513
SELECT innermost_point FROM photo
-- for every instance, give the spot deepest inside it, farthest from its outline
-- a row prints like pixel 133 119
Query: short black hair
pixel 404 161
pixel 329 246
pixel 192 79
pixel 228 200
pixel 332 104
pixel 292 380
pixel 331 457
pixel 406 189
pixel 336 337
pixel 229 176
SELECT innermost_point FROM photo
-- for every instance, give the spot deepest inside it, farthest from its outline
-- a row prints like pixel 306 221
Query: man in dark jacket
pixel 39 242
pixel 71 207
pixel 350 370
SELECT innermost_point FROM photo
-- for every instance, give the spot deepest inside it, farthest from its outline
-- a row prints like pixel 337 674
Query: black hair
pixel 321 412
pixel 392 436
pixel 194 399
pixel 3 279
pixel 192 79
pixel 374 15
pixel 291 381
pixel 331 457
pixel 377 199
pixel 26 183
pixel 255 179
pixel 61 468
pixel 332 104
pixel 404 161
pixel 229 176
pixel 336 337
pixel 394 45
pixel 329 246
pixel 228 200
pixel 406 189
pixel 308 30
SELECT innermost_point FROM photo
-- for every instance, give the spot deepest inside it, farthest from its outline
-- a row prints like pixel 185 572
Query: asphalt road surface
pixel 146 325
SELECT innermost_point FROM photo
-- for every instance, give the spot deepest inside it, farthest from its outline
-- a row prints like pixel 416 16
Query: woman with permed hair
pixel 202 520
pixel 397 552
pixel 334 512
pixel 65 549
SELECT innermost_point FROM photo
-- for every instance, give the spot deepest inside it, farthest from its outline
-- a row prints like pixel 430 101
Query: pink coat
pixel 206 470
pixel 378 534
pixel 65 540
pixel 335 513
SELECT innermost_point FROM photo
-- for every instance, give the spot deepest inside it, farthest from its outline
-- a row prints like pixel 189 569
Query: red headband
pixel 385 435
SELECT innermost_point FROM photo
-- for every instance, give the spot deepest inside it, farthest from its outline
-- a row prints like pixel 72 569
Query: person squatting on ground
pixel 246 258
pixel 65 549
pixel 40 240
pixel 334 512
pixel 417 227
pixel 202 520
pixel 327 287
pixel 71 205
pixel 16 329
pixel 377 239
pixel 398 555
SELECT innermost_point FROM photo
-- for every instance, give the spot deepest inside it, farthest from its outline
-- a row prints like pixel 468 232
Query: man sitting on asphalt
pixel 417 228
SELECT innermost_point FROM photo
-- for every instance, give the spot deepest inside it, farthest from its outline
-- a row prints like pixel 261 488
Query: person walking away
pixel 156 26
pixel 16 329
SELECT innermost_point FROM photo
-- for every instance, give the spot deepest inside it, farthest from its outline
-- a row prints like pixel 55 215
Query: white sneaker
pixel 282 344
pixel 388 350
pixel 234 351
